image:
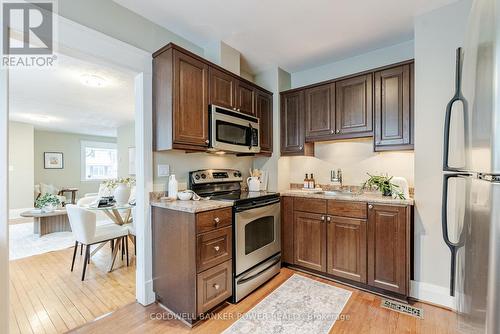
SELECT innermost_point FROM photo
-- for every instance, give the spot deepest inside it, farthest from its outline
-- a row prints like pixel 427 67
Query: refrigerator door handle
pixel 454 247
pixel 458 96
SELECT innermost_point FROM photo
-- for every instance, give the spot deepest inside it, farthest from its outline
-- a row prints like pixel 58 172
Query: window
pixel 99 161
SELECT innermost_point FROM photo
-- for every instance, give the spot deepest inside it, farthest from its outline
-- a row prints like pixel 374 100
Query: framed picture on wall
pixel 53 160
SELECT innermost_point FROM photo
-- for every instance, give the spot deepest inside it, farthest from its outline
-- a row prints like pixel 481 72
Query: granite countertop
pixel 371 197
pixel 191 206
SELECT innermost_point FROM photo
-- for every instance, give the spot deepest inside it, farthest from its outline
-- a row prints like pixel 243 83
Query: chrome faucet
pixel 336 176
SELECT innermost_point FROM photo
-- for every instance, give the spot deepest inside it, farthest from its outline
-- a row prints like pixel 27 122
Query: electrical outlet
pixel 163 170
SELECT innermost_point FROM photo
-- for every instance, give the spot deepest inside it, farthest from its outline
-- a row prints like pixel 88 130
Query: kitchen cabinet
pixel 222 88
pixel 320 112
pixel 394 108
pixel 353 102
pixel 192 260
pixel 388 248
pixel 292 125
pixel 310 240
pixel 185 85
pixel 245 98
pixel 363 243
pixel 264 111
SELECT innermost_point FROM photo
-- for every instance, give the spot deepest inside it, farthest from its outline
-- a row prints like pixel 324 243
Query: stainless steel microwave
pixel 232 131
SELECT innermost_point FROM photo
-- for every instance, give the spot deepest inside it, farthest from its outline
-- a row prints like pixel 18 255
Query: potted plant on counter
pixel 121 188
pixel 47 203
pixel 383 184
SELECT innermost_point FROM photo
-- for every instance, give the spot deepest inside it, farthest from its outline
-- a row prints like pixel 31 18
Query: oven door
pixel 234 132
pixel 257 235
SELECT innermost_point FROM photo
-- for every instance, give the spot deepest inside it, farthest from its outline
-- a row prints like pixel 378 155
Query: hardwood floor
pixel 362 314
pixel 46 297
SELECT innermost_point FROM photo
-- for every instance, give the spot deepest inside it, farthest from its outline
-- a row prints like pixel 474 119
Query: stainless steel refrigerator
pixel 471 166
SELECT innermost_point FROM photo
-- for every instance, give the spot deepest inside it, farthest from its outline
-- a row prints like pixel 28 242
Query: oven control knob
pixel 239 174
pixel 203 176
pixel 197 177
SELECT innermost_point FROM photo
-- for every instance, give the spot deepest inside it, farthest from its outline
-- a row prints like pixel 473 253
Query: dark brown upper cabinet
pixel 185 85
pixel 394 108
pixel 292 125
pixel 354 113
pixel 320 112
pixel 245 98
pixel 222 88
pixel 180 101
pixel 264 111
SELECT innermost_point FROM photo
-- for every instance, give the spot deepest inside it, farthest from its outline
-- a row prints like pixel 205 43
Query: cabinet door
pixel 264 111
pixel 292 125
pixel 320 112
pixel 346 247
pixel 354 112
pixel 222 88
pixel 245 98
pixel 393 108
pixel 287 223
pixel 310 240
pixel 387 248
pixel 190 112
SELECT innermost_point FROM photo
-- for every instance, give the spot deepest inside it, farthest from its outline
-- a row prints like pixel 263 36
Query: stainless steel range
pixel 256 227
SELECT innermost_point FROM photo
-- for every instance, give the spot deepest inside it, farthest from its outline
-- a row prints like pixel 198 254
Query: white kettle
pixel 253 183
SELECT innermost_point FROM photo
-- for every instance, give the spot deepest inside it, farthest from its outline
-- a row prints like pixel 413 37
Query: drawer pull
pixel 370 206
pixel 323 218
pixel 216 286
pixel 216 248
pixel 216 220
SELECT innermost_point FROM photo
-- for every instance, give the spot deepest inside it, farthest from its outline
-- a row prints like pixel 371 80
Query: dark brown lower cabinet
pixel 346 248
pixel 388 248
pixel 365 243
pixel 310 240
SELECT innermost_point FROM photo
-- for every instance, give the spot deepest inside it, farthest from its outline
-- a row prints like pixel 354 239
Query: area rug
pixel 23 243
pixel 300 305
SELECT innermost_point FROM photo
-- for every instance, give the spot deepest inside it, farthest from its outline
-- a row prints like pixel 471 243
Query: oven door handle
pixel 249 278
pixel 255 205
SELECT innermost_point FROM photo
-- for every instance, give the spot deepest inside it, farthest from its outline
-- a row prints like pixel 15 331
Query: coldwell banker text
pixel 28 34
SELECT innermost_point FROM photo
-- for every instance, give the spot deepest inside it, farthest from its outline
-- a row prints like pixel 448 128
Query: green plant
pixel 47 199
pixel 383 183
pixel 112 183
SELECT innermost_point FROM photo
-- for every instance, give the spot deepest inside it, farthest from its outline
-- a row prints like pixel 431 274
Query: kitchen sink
pixel 337 193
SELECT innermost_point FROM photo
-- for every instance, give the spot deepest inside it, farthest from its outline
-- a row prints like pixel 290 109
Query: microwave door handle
pixel 250 133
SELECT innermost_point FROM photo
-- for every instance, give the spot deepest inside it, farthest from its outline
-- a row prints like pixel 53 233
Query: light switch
pixel 163 170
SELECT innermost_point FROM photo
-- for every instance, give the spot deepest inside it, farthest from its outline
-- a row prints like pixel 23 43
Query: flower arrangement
pixel 113 183
pixel 383 183
pixel 47 200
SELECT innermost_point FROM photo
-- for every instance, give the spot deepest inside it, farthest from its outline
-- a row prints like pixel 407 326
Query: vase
pixel 122 194
pixel 387 192
pixel 48 208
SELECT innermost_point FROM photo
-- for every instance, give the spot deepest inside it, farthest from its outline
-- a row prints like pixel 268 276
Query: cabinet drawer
pixel 213 248
pixel 214 286
pixel 309 205
pixel 210 220
pixel 347 209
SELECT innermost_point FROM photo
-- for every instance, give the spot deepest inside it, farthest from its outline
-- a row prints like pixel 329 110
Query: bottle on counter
pixel 172 187
pixel 312 183
pixel 306 182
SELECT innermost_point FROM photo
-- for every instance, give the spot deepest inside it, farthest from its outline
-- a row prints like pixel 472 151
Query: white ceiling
pixel 58 95
pixel 292 34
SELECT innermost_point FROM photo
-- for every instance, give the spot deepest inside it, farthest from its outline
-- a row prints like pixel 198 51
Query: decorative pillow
pixel 48 189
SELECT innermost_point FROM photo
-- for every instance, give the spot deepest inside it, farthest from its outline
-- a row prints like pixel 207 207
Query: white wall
pixel 437 35
pixel 367 61
pixel 125 138
pixel 223 55
pixel 21 165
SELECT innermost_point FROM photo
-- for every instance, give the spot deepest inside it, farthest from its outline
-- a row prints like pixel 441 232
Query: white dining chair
pixel 87 233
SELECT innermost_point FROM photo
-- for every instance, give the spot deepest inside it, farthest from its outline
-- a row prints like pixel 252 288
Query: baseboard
pixel 433 294
pixel 16 213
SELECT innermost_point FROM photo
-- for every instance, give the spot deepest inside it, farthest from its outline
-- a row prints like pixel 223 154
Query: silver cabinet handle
pixel 370 206
pixel 338 131
pixel 207 141
pixel 216 248
pixel 328 218
pixel 238 109
pixel 216 286
pixel 301 147
pixel 323 218
pixel 216 220
pixel 331 131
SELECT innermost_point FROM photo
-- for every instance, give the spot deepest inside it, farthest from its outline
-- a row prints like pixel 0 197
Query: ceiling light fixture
pixel 93 80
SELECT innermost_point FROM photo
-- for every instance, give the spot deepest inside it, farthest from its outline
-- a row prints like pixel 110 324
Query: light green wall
pixel 21 171
pixel 116 21
pixel 125 139
pixel 69 144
